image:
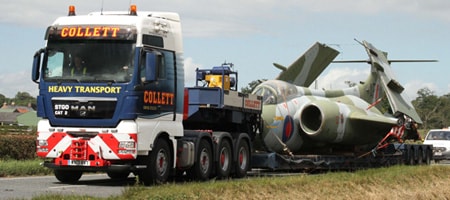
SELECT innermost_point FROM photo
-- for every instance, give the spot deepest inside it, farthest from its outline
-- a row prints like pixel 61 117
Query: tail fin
pixel 384 80
pixel 309 66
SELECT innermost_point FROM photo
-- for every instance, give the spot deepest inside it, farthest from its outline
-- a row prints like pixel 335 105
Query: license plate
pixel 79 163
pixel 438 154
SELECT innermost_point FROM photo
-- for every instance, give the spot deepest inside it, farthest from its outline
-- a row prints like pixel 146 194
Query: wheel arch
pixel 172 144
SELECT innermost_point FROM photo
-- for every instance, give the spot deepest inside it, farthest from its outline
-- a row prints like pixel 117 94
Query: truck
pixel 112 99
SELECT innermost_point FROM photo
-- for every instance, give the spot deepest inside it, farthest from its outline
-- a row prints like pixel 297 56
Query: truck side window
pixel 54 64
pixel 161 67
pixel 165 61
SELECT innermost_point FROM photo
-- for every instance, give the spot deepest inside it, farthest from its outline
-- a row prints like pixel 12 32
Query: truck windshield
pixel 89 61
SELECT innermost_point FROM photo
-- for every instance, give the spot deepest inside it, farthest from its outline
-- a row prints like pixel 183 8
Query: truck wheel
pixel 243 159
pixel 225 159
pixel 203 162
pixel 158 164
pixel 118 175
pixel 65 176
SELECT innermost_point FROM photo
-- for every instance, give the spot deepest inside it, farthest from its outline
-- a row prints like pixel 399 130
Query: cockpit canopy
pixel 275 91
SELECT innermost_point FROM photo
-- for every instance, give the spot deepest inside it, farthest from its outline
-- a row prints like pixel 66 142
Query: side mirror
pixel 36 66
pixel 152 62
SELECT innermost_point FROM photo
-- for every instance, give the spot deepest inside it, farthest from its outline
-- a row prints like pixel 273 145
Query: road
pixel 97 185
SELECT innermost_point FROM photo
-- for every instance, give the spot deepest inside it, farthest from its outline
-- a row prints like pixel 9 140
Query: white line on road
pixel 67 186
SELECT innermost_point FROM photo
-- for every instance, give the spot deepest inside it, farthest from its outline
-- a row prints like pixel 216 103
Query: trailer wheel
pixel 203 162
pixel 243 159
pixel 225 159
pixel 158 164
pixel 411 156
pixel 428 155
pixel 65 176
pixel 420 157
pixel 118 175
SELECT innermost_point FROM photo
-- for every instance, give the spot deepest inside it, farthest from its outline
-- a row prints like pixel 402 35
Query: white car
pixel 440 139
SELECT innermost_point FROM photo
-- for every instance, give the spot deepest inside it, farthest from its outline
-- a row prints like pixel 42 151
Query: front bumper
pixel 112 167
pixel 438 155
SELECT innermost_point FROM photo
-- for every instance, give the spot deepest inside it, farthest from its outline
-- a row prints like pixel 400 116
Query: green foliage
pixel 21 99
pixel 16 129
pixel 17 147
pixel 432 109
pixel 2 99
pixel 24 98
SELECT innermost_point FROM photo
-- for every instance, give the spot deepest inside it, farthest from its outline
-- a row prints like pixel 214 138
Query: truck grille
pixel 84 109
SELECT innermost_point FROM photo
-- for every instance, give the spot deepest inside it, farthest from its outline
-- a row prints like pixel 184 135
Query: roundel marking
pixel 288 128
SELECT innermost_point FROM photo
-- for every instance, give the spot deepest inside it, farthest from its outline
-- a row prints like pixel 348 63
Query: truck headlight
pixel 42 143
pixel 126 144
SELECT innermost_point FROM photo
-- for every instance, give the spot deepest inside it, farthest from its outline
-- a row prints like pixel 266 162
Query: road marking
pixel 67 186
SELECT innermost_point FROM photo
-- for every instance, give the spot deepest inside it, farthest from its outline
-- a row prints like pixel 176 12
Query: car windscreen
pixel 438 135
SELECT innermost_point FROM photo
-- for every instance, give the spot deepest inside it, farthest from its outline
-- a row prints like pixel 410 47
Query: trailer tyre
pixel 158 164
pixel 420 157
pixel 411 157
pixel 243 159
pixel 65 176
pixel 428 156
pixel 225 159
pixel 203 162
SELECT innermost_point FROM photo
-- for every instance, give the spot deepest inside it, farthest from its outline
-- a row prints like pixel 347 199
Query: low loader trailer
pixel 112 99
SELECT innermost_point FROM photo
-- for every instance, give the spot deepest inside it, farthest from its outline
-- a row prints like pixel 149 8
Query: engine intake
pixel 321 120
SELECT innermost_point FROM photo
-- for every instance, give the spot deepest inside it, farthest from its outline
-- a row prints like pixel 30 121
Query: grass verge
pixel 397 182
pixel 10 168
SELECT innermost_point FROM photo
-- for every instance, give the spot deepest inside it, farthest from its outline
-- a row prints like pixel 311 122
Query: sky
pixel 253 34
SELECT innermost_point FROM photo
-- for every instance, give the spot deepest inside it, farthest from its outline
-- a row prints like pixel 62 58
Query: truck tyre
pixel 65 176
pixel 118 175
pixel 225 159
pixel 158 162
pixel 203 162
pixel 243 159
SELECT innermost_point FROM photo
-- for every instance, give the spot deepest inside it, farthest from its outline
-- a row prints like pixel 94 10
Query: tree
pixel 24 99
pixel 428 105
pixel 3 99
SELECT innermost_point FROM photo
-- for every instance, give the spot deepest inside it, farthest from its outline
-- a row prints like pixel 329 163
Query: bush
pixel 17 147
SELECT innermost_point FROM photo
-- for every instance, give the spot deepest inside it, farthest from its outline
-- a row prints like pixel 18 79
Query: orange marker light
pixel 133 10
pixel 71 10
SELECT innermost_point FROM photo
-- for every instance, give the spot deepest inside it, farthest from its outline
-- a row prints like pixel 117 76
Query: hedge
pixel 17 147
